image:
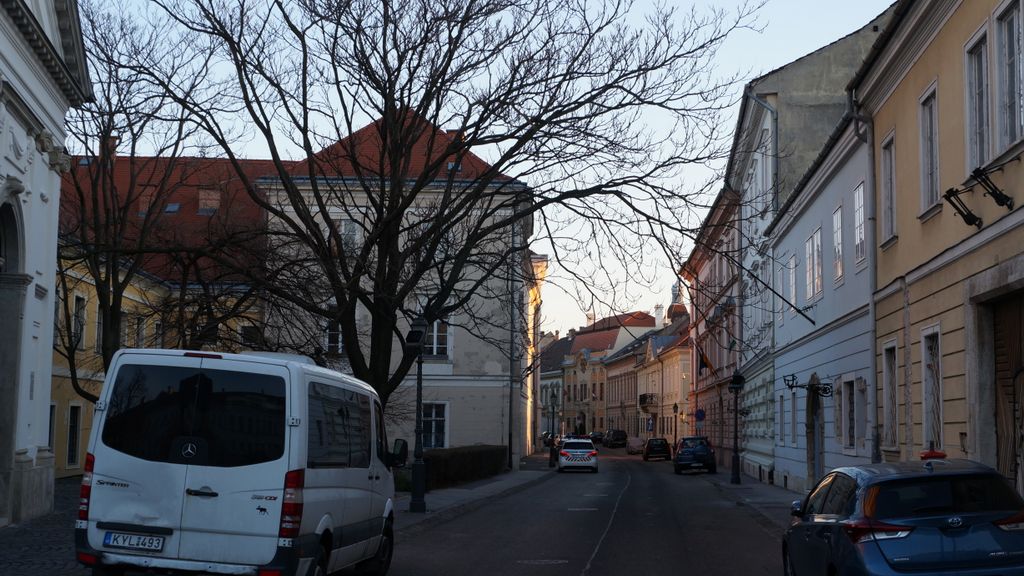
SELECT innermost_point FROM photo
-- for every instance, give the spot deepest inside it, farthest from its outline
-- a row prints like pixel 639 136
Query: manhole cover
pixel 542 562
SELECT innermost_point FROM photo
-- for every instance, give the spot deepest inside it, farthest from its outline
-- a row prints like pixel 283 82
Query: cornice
pixel 76 89
pixel 915 33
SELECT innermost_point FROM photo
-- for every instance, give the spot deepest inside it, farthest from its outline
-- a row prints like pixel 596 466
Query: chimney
pixel 590 319
pixel 659 316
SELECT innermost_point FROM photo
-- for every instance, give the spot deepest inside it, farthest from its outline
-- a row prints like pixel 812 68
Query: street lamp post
pixel 414 343
pixel 735 385
pixel 675 425
pixel 552 453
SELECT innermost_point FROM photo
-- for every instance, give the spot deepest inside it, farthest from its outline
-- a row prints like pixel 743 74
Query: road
pixel 633 517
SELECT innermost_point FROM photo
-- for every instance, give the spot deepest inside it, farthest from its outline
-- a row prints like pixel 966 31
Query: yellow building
pixel 942 91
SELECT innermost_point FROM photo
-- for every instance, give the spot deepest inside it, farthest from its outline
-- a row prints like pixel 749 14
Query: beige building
pixel 947 133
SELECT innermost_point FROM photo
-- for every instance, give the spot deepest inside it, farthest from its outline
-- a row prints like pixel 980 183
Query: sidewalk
pixel 772 503
pixel 447 503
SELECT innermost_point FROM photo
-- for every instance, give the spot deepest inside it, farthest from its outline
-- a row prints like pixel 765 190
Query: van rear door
pixel 235 481
pixel 138 479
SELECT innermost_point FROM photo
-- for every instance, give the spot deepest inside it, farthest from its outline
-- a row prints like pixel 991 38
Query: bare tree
pixel 112 204
pixel 403 217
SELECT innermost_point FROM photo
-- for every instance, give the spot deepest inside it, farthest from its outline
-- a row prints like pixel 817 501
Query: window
pixel 837 242
pixel 792 282
pixel 250 336
pixel 78 323
pixel 74 429
pixel 172 207
pixel 782 420
pixel 1009 61
pixel 436 341
pixel 793 418
pixel 889 420
pixel 339 427
pixel 842 497
pixel 140 331
pixel 382 434
pixel 859 246
pixel 816 500
pixel 601 395
pixel 977 104
pixel 888 189
pixel 158 334
pixel 931 362
pixel 209 202
pixel 99 331
pixel 812 248
pixel 52 428
pixel 929 153
pixel 848 408
pixel 332 337
pixel 435 424
pixel 236 418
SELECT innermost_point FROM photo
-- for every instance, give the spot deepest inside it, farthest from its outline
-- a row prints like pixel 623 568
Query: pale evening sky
pixel 791 29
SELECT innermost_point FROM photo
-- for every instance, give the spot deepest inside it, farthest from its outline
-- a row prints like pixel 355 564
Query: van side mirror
pixel 399 454
pixel 797 509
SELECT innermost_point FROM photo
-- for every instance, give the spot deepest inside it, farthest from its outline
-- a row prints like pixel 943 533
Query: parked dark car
pixel 657 448
pixel 951 517
pixel 615 438
pixel 695 452
pixel 597 437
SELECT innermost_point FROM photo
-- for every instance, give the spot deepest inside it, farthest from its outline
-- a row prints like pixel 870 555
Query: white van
pixel 214 463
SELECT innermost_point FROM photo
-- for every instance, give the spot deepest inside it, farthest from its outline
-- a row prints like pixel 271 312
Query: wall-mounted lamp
pixel 1001 199
pixel 823 389
pixel 953 197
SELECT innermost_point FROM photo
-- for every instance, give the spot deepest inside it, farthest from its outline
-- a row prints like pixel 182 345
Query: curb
pixel 452 512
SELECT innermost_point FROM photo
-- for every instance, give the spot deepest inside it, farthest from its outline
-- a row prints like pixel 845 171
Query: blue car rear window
pixel 962 494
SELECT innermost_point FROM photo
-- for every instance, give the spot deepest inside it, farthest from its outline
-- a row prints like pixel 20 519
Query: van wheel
pixel 319 565
pixel 381 562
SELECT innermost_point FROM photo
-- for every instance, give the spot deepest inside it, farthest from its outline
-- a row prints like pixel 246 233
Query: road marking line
pixel 586 569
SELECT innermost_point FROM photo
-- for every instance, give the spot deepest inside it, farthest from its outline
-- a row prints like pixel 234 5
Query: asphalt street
pixel 632 517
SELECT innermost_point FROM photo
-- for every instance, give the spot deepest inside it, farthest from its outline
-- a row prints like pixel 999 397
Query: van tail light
pixel 1014 523
pixel 866 530
pixel 87 559
pixel 291 504
pixel 592 453
pixel 85 491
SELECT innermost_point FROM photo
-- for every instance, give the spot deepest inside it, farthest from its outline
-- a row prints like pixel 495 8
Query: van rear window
pixel 184 415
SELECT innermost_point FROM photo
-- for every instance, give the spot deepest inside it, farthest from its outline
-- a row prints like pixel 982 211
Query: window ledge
pixel 930 212
pixel 889 242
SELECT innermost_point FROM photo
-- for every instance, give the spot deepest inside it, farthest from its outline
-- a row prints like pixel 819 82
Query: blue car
pixel 695 452
pixel 950 517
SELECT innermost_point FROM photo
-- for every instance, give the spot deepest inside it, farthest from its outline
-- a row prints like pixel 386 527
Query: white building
pixel 42 75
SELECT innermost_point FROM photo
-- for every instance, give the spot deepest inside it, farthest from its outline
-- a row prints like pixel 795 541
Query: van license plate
pixel 133 541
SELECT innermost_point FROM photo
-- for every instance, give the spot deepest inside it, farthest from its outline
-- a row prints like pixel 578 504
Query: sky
pixel 790 29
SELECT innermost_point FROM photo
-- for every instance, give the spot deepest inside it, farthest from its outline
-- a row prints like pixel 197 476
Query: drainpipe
pixel 868 137
pixel 749 93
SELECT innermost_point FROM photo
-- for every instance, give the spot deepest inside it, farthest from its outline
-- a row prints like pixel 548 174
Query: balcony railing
pixel 648 401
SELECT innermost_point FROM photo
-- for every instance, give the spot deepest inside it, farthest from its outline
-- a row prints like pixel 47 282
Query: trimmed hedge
pixel 451 466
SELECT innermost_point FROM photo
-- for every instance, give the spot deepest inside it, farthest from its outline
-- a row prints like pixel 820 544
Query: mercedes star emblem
pixel 956 522
pixel 188 450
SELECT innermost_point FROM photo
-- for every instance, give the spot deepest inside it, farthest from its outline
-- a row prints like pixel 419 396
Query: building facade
pixel 947 128
pixel 42 76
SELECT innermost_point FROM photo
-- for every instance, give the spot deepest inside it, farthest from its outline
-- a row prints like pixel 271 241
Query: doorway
pixel 1008 340
pixel 814 429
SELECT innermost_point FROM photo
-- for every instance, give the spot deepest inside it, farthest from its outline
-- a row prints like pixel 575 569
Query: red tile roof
pixel 360 154
pixel 631 319
pixel 596 341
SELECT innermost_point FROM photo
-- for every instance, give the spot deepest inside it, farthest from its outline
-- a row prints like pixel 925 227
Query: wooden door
pixel 1009 387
